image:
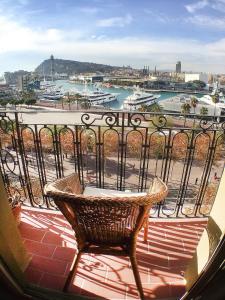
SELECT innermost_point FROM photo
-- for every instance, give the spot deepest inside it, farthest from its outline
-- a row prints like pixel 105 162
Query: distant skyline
pixel 115 32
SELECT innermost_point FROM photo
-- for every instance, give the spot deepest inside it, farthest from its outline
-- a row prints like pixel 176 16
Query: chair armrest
pixel 67 185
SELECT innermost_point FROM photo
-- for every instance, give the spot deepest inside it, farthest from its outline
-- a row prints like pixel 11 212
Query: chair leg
pixel 137 275
pixel 146 230
pixel 72 271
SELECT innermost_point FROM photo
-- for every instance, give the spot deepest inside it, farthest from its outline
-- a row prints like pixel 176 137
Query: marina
pixel 121 93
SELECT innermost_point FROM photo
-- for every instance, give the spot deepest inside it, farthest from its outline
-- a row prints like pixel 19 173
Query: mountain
pixel 70 67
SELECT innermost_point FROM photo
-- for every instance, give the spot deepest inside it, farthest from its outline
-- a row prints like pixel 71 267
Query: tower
pixel 178 67
pixel 52 67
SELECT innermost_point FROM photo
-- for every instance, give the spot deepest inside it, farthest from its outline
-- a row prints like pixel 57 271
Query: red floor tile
pixel 48 265
pixel 33 234
pixel 39 248
pixel 157 291
pixel 161 261
pixel 64 253
pixel 33 275
pixel 52 237
pixel 177 290
pixel 52 281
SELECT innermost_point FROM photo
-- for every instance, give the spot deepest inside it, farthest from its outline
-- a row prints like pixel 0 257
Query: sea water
pixel 121 92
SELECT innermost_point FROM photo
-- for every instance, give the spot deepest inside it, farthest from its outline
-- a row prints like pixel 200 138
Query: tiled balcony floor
pixel 161 261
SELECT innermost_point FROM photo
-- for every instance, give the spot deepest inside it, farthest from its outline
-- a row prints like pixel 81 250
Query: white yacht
pixel 52 94
pixel 139 98
pixel 99 97
pixel 213 108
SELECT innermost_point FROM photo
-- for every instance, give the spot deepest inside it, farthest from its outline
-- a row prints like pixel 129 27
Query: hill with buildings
pixel 70 67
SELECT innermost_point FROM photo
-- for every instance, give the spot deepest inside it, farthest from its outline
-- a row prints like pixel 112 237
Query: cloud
pixel 192 8
pixel 207 21
pixel 115 22
pixel 23 2
pixel 89 10
pixel 18 40
pixel 218 5
pixel 160 17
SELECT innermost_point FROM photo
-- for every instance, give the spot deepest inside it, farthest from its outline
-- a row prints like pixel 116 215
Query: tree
pixel 199 84
pixel 185 109
pixel 194 102
pixel 215 99
pixel 155 107
pixel 76 98
pixel 30 101
pixel 143 108
pixel 85 103
pixel 4 102
pixel 204 111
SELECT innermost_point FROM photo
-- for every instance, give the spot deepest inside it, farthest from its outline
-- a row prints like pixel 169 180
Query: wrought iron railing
pixel 117 150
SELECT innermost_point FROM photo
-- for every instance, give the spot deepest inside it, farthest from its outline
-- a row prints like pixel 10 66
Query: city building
pixel 178 67
pixel 23 82
pixel 196 76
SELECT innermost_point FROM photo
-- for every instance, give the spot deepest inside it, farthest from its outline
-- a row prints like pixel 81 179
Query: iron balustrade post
pixel 122 145
pixel 79 155
pixel 99 157
pixel 184 179
pixel 143 171
pixel 206 173
pixel 26 180
pixel 40 163
pixel 57 153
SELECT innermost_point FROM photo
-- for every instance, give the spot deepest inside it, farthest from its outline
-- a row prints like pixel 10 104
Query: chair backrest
pixel 103 220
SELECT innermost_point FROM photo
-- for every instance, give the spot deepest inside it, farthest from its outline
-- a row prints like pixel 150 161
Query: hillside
pixel 71 67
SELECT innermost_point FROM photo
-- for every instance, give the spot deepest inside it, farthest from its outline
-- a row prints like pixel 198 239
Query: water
pixel 122 92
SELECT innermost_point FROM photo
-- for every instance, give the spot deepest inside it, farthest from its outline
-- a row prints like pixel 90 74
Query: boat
pixel 99 97
pixel 139 98
pixel 52 94
pixel 218 108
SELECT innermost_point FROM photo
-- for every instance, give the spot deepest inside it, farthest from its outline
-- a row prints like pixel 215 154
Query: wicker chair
pixel 102 223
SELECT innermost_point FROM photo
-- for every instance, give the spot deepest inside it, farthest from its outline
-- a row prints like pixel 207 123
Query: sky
pixel 115 32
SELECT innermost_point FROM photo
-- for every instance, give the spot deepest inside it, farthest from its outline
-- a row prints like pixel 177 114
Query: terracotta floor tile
pixel 52 237
pixel 32 234
pixel 165 276
pixel 39 248
pixel 114 291
pixel 161 261
pixel 52 281
pixel 177 290
pixel 64 253
pixel 33 275
pixel 156 291
pixel 48 265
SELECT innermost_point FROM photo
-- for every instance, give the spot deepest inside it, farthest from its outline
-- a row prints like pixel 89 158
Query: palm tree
pixel 62 102
pixel 194 103
pixel 69 100
pixel 204 111
pixel 143 108
pixel 76 98
pixel 155 108
pixel 215 99
pixel 85 103
pixel 185 109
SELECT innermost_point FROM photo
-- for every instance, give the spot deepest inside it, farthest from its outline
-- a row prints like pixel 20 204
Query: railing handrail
pixel 94 111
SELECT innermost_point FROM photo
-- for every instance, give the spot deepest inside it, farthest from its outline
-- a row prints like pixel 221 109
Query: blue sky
pixel 115 32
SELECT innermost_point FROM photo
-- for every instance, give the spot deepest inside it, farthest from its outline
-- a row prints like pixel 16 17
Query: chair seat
pixel 92 191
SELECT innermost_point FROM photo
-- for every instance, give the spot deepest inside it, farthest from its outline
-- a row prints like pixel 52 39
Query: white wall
pixel 196 76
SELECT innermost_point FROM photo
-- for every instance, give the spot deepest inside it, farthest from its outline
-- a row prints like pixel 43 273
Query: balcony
pixel 162 260
pixel 122 151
